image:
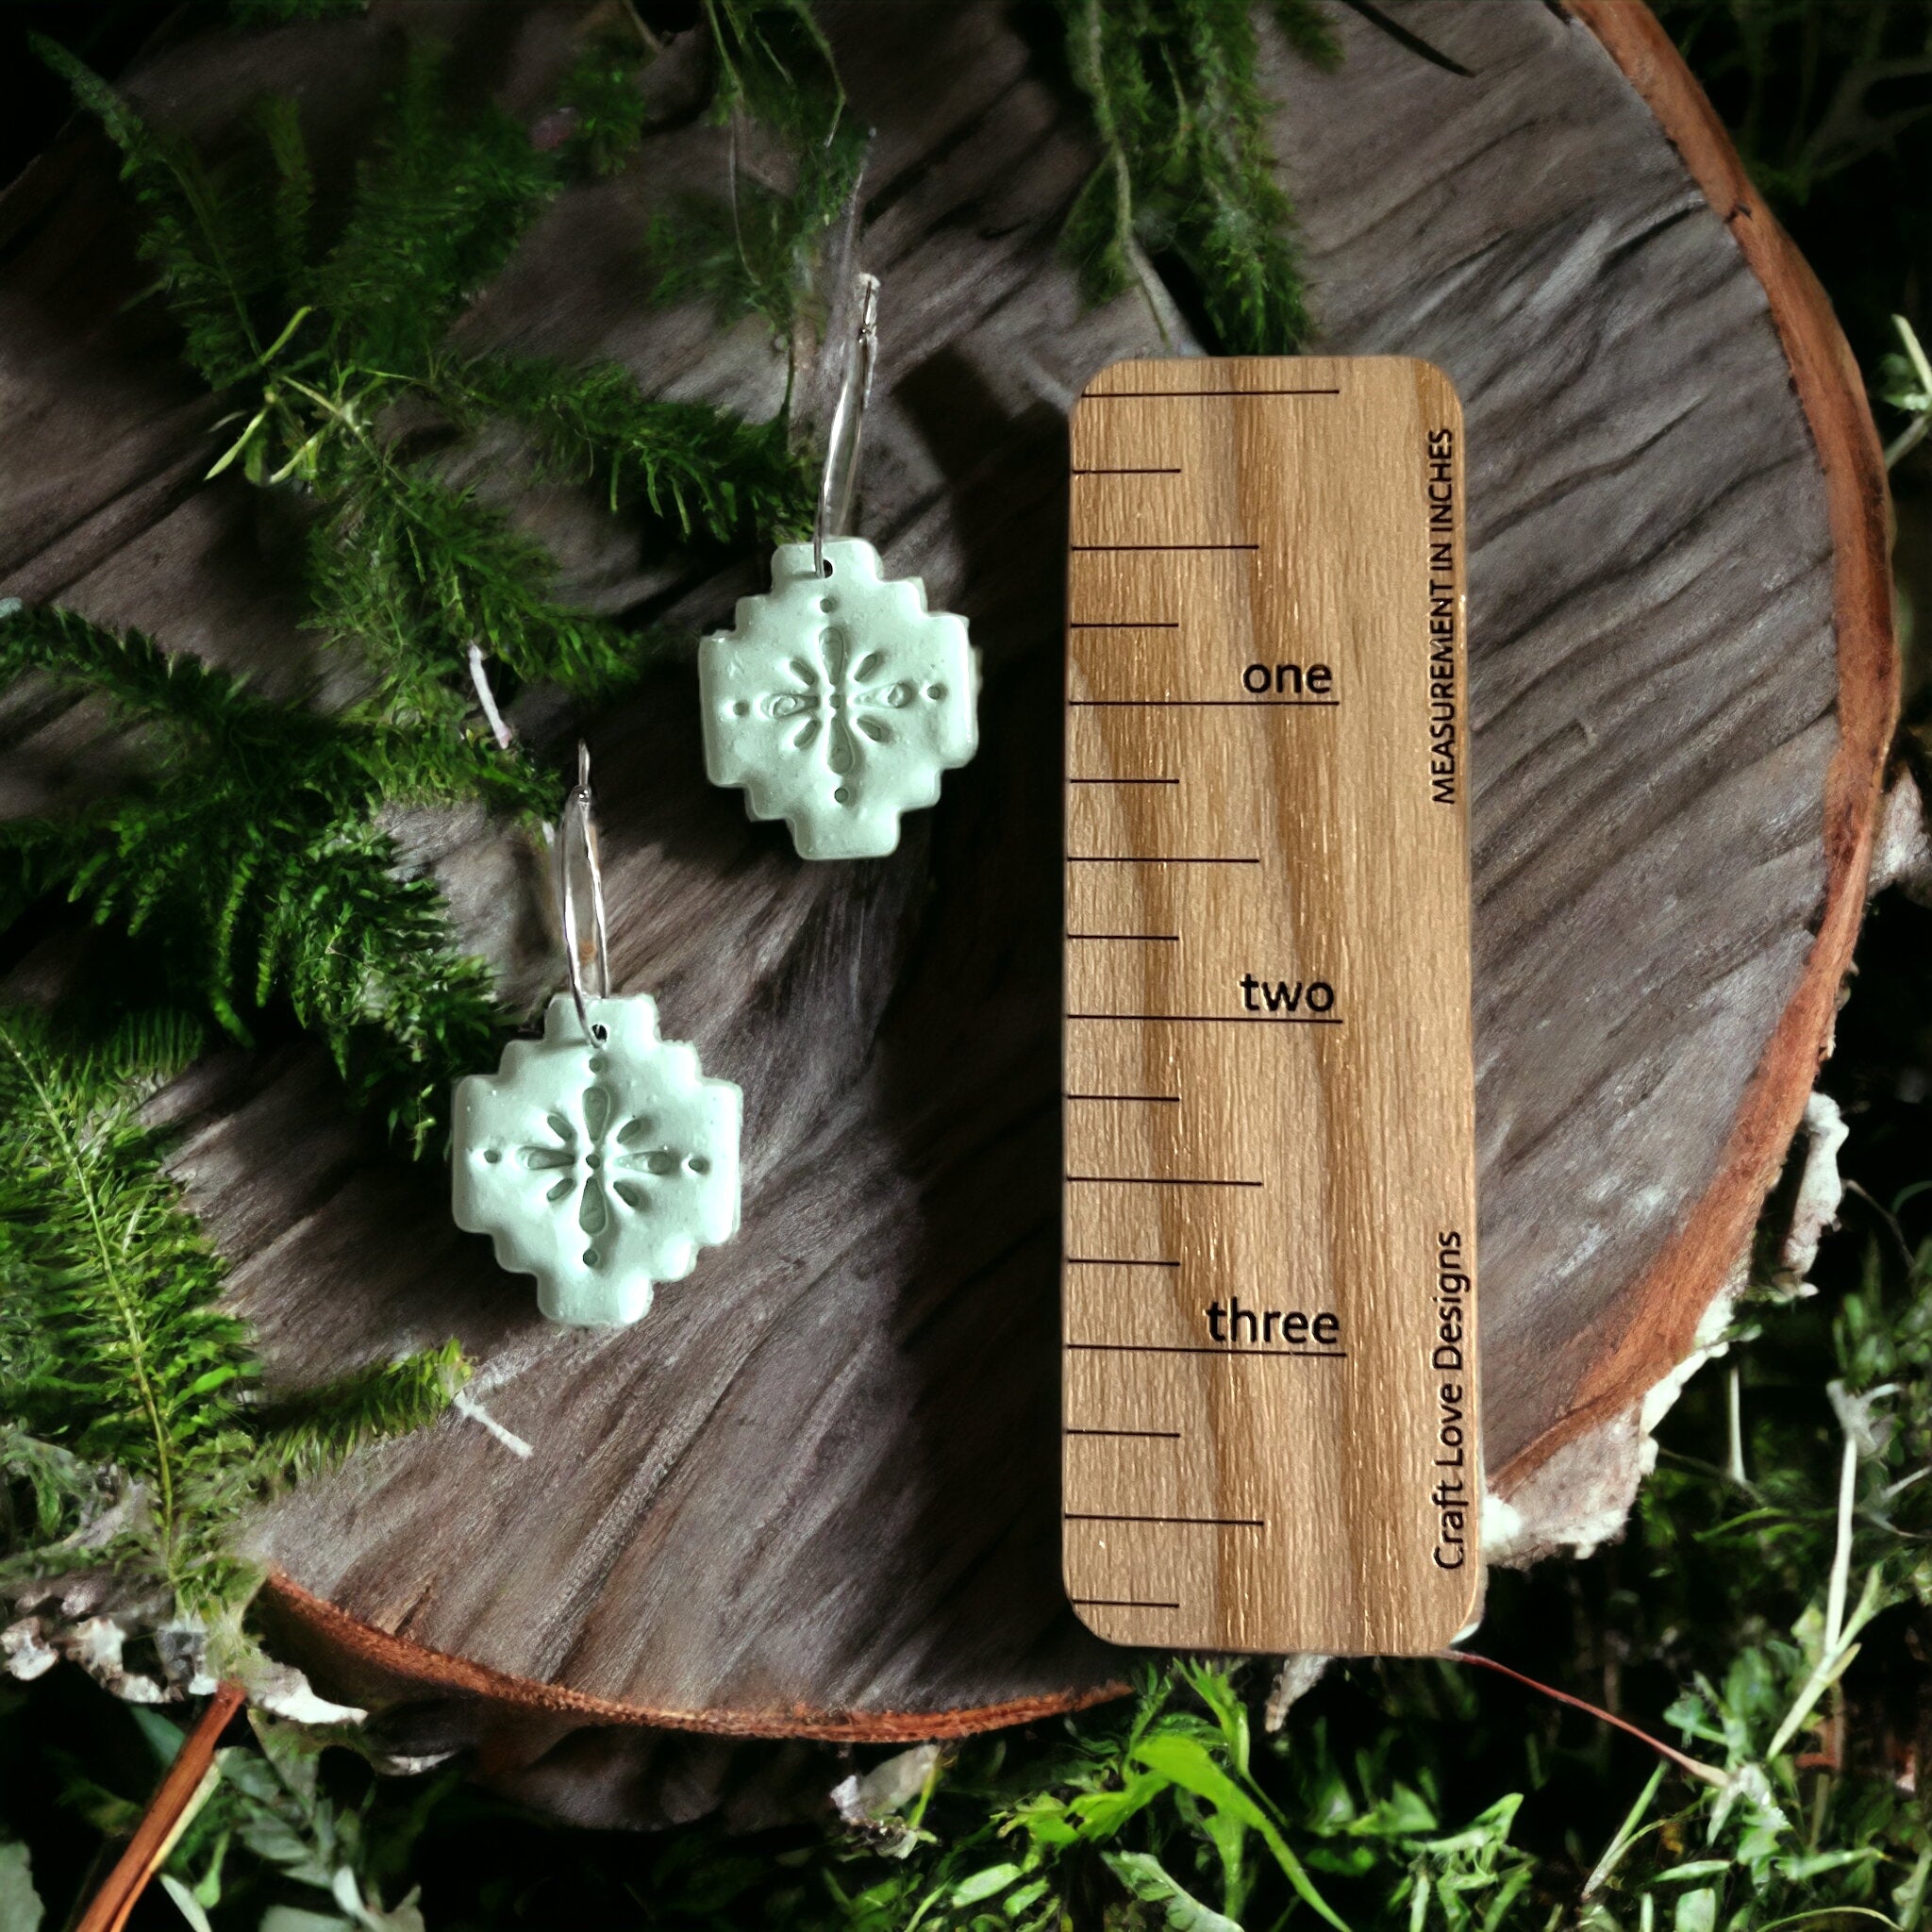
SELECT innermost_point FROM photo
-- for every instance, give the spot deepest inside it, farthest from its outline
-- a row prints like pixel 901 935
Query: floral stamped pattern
pixel 600 1166
pixel 837 701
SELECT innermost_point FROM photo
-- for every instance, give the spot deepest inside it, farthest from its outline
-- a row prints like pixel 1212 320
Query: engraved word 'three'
pixel 599 1166
pixel 837 701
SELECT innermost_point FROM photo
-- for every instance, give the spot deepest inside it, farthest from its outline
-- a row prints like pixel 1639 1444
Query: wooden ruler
pixel 1269 1299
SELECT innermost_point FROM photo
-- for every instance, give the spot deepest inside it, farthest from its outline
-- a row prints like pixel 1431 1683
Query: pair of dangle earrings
pixel 600 1157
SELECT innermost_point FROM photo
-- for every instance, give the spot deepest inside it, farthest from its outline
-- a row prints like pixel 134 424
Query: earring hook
pixel 577 837
pixel 840 476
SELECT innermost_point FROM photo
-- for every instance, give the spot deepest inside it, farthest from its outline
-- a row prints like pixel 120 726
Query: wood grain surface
pixel 816 1493
pixel 1268 1303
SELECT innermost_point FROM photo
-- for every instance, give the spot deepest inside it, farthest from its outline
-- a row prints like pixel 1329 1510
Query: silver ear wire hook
pixel 841 476
pixel 577 837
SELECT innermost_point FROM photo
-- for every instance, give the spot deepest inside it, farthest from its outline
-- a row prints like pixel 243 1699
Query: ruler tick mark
pixel 1124 781
pixel 1153 1180
pixel 1204 704
pixel 1149 858
pixel 1221 1018
pixel 1324 1355
pixel 1151 1099
pixel 1152 1435
pixel 1127 470
pixel 1204 1522
pixel 1111 549
pixel 1169 939
pixel 1123 624
pixel 1119 1602
pixel 1113 1261
pixel 1109 395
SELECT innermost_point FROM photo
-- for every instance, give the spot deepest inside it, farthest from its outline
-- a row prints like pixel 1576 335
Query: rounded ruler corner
pixel 1269 1384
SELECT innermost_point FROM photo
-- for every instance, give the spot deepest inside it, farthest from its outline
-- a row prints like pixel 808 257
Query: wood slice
pixel 815 1494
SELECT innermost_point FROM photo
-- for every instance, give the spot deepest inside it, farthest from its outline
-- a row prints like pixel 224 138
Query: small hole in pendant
pixel 828 603
pixel 589 1257
pixel 828 566
pixel 698 1164
pixel 740 709
pixel 598 1063
pixel 935 691
pixel 599 1032
pixel 492 1155
pixel 842 795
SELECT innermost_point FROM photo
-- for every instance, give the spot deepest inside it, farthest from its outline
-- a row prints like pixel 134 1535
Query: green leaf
pixel 1625 1834
pixel 1909 1897
pixel 185 1903
pixel 20 1909
pixel 1187 1763
pixel 215 1379
pixel 1696 1911
pixel 1145 1879
pixel 163 1739
pixel 984 1884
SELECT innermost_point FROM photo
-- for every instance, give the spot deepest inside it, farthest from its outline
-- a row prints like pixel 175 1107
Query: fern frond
pixel 206 230
pixel 753 253
pixel 47 1493
pixel 1187 171
pixel 251 850
pixel 412 570
pixel 438 206
pixel 1307 28
pixel 120 1282
pixel 686 464
pixel 138 681
pixel 307 1433
pixel 114 1353
pixel 291 203
pixel 405 570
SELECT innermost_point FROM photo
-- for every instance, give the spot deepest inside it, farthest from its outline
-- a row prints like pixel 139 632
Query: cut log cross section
pixel 815 1494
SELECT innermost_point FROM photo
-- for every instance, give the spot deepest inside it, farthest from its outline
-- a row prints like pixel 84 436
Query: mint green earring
pixel 599 1159
pixel 837 699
